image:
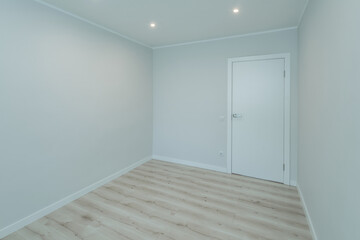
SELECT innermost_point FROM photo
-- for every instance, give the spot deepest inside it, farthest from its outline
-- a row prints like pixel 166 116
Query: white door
pixel 258 107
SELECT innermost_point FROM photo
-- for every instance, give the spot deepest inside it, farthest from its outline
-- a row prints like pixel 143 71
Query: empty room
pixel 179 119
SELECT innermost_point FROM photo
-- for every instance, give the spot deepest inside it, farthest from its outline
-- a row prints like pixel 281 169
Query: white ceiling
pixel 180 21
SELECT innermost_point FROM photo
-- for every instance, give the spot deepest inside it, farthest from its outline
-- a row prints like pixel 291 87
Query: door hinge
pixel 284 167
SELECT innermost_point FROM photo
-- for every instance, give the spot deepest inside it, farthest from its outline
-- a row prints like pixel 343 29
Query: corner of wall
pixel 307 215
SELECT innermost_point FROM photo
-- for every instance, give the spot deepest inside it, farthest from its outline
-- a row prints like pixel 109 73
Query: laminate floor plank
pixel 227 192
pixel 247 215
pixel 218 204
pixel 166 201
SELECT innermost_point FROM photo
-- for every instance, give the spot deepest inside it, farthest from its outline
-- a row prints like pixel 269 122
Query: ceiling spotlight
pixel 153 25
pixel 235 10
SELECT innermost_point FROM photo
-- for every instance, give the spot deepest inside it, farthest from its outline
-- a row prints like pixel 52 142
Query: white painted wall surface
pixel 75 106
pixel 329 117
pixel 190 96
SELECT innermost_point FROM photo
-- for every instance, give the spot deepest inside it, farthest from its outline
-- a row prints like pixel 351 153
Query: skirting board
pixel 311 226
pixel 190 163
pixel 47 210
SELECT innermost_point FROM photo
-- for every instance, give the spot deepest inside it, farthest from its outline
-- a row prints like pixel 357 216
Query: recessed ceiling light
pixel 153 25
pixel 235 10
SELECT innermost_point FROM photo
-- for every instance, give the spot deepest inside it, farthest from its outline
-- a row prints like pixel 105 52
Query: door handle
pixel 237 115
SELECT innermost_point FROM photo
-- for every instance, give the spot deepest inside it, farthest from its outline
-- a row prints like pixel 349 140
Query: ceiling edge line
pixel 92 23
pixel 303 13
pixel 225 38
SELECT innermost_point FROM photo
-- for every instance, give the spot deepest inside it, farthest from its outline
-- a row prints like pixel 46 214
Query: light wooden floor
pixel 161 200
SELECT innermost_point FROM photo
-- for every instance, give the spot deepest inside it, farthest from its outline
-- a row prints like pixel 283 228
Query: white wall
pixel 190 95
pixel 75 106
pixel 329 117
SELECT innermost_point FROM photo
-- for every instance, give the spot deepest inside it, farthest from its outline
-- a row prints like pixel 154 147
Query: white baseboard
pixel 293 183
pixel 311 226
pixel 45 211
pixel 191 163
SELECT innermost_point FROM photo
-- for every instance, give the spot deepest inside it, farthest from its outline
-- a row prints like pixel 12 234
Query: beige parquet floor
pixel 160 200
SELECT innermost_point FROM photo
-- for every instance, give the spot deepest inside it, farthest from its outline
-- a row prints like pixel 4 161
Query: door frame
pixel 287 110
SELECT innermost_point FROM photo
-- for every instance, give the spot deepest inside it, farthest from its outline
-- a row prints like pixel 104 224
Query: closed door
pixel 258 108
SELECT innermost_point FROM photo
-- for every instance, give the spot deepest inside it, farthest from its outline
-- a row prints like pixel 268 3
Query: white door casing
pixel 259 132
